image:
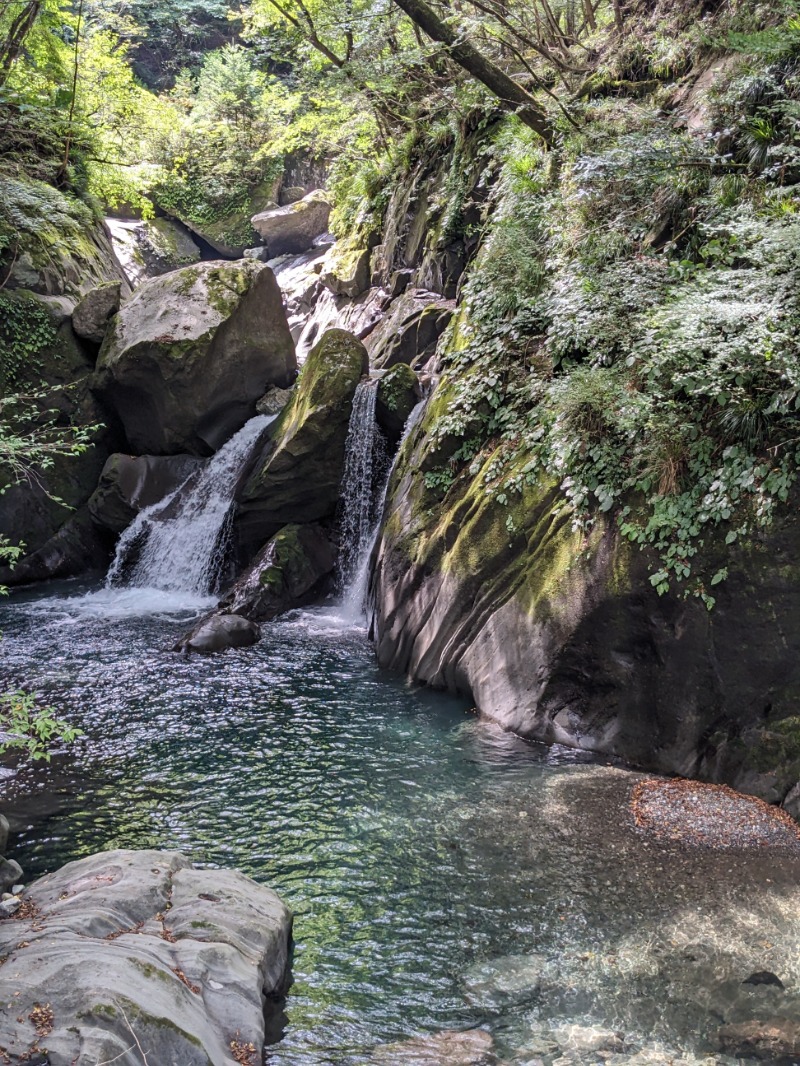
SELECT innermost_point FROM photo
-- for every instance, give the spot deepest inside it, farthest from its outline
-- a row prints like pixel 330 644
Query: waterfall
pixel 178 544
pixel 365 462
pixel 361 484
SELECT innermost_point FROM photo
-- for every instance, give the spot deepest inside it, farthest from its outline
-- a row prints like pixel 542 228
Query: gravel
pixel 710 816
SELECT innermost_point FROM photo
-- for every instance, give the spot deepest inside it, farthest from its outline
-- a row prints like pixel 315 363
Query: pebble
pixel 16 889
pixel 710 816
pixel 9 906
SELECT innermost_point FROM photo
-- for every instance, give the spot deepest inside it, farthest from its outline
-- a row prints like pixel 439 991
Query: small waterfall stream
pixel 178 544
pixel 368 471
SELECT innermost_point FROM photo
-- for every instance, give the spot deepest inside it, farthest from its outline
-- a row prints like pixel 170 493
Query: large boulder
pixel 132 949
pixel 298 477
pixel 129 484
pixel 410 331
pixel 220 216
pixel 286 573
pixel 293 229
pixel 91 317
pixel 188 356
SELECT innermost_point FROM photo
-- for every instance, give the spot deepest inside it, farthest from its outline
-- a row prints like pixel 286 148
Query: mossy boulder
pixel 52 243
pixel 223 222
pixel 298 477
pixel 288 572
pixel 398 394
pixel 346 269
pixel 188 356
pixel 559 636
pixel 293 228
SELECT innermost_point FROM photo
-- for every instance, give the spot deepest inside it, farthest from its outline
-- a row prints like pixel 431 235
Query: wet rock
pixel 76 548
pixel 297 478
pixel 286 573
pixel 772 1040
pixel 410 331
pixel 764 977
pixel 398 394
pixel 293 228
pixel 191 352
pixel 449 1048
pixel 91 317
pixel 504 982
pixel 137 946
pixel 10 873
pixel 273 401
pixel 219 632
pixel 129 483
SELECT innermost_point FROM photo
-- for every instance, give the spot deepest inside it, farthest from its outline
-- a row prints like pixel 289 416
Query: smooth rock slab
pixel 293 228
pixel 132 947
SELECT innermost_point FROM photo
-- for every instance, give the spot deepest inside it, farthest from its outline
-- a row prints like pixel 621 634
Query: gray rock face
pixel 132 949
pixel 4 831
pixel 293 228
pixel 188 356
pixel 91 317
pixel 219 632
pixel 345 270
pixel 285 573
pixel 399 392
pixel 130 483
pixel 410 331
pixel 565 641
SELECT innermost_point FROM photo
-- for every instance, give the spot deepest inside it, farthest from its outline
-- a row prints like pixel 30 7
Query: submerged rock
pixel 286 573
pixel 775 1040
pixel 91 317
pixel 293 228
pixel 298 477
pixel 504 982
pixel 449 1048
pixel 188 356
pixel 133 948
pixel 219 632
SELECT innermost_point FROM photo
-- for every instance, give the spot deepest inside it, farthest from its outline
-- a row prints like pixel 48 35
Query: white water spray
pixel 181 539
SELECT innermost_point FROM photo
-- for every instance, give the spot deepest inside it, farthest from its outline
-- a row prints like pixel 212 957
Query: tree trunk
pixel 15 37
pixel 513 96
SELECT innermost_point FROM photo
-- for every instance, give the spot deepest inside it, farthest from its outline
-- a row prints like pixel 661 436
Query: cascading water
pixel 365 459
pixel 368 472
pixel 178 544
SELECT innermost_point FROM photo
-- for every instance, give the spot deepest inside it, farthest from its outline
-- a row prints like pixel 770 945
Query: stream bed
pixel 443 875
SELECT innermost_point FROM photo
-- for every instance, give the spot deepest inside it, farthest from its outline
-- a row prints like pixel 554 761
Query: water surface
pixel 412 842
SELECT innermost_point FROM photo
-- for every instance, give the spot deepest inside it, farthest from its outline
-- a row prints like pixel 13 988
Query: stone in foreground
pixel 131 949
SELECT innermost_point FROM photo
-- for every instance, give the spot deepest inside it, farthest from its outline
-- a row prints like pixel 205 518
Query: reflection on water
pixel 412 841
